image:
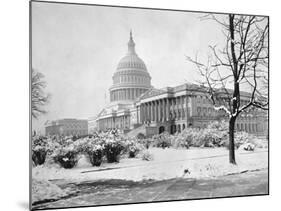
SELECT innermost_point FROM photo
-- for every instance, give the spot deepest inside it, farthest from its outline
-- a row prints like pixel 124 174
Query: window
pixel 199 111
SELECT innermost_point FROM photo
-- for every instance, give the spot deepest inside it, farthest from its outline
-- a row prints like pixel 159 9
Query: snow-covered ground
pixel 167 164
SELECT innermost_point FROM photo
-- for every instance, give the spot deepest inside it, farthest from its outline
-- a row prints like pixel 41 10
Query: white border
pixel 14 54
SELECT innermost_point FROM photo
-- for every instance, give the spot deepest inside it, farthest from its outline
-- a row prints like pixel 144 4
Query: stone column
pixel 141 114
pixel 159 111
pixel 181 107
pixel 171 108
pixel 177 107
pixel 148 112
pixel 155 111
pixel 145 112
pixel 152 111
pixel 164 109
pixel 168 109
pixel 137 114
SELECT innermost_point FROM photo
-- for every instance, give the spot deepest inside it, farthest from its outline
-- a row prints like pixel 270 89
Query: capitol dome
pixel 131 77
pixel 131 61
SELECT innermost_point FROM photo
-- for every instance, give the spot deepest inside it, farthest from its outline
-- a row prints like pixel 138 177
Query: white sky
pixel 78 47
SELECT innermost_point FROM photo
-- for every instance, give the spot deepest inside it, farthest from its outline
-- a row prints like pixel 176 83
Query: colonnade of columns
pixel 126 94
pixel 120 122
pixel 164 109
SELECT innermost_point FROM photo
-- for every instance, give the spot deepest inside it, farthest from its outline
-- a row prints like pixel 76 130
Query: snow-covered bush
pixel 140 136
pixel 145 143
pixel 113 148
pixel 180 141
pixel 134 150
pixel 247 147
pixel 148 156
pixel 39 150
pixel 66 156
pixel 81 145
pixel 213 136
pixel 162 140
pixel 95 152
pixel 218 125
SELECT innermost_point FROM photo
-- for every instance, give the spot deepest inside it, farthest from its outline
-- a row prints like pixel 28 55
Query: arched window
pixel 204 111
pixel 199 111
pixel 210 111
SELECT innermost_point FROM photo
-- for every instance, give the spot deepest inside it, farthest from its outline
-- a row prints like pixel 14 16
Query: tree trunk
pixel 231 141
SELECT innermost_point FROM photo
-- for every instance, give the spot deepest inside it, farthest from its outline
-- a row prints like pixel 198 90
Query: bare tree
pixel 241 62
pixel 38 97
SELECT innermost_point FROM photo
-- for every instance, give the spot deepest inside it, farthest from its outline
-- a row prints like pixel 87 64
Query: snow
pixel 166 164
pixel 218 108
pixel 45 190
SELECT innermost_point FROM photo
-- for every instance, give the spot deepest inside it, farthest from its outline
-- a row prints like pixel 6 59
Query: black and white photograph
pixel 140 105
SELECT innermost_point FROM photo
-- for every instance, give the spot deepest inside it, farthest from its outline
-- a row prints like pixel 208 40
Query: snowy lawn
pixel 167 164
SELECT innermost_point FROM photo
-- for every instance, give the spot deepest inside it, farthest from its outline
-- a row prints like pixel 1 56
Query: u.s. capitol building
pixel 137 107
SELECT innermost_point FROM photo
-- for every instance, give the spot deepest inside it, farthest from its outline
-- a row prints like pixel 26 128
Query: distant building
pixel 66 127
pixel 135 105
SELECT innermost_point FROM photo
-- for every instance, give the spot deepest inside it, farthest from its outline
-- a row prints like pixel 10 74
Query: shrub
pixel 145 142
pixel 140 136
pixel 95 157
pixel 113 149
pixel 148 156
pixel 39 150
pixel 180 141
pixel 162 140
pixel 212 136
pixel 66 156
pixel 82 145
pixel 248 147
pixel 39 156
pixel 240 138
pixel 95 152
pixel 133 148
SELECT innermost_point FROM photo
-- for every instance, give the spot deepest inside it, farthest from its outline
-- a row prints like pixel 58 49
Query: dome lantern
pixel 131 45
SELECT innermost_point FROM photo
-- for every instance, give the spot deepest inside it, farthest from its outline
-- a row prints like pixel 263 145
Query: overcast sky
pixel 78 47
